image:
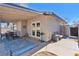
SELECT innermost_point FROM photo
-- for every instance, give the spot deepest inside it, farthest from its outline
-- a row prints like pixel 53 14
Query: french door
pixel 36 29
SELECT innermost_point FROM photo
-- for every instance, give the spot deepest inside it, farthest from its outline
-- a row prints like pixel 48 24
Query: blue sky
pixel 70 12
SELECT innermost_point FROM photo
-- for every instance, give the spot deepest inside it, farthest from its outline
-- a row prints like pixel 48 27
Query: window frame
pixel 38 35
pixel 36 28
pixel 34 33
pixel 34 25
pixel 37 24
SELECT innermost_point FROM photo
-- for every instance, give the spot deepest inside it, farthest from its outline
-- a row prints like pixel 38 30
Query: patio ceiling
pixel 13 14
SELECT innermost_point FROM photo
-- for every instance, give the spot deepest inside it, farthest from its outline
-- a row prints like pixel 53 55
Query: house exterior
pixel 33 22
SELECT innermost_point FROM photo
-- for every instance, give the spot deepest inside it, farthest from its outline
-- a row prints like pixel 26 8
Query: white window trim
pixel 32 25
pixel 36 28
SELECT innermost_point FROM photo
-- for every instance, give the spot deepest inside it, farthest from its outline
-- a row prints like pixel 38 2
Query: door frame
pixel 36 28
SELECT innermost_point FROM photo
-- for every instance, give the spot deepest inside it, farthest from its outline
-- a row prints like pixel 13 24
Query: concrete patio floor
pixel 64 47
pixel 17 46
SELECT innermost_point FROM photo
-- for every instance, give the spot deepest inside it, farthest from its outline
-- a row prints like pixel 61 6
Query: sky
pixel 67 11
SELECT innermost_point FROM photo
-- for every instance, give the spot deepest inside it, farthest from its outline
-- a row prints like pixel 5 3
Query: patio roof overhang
pixel 15 14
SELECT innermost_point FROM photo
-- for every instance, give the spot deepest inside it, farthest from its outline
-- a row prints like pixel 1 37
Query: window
pixel 38 24
pixel 35 29
pixel 33 32
pixel 38 33
pixel 33 24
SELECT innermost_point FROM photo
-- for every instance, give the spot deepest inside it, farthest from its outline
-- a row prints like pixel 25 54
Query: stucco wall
pixel 18 28
pixel 48 25
pixel 53 24
pixel 24 27
pixel 21 27
pixel 43 26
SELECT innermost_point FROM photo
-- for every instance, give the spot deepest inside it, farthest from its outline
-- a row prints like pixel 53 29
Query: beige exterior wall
pixel 24 27
pixel 65 29
pixel 53 25
pixel 21 27
pixel 43 26
pixel 48 25
pixel 18 28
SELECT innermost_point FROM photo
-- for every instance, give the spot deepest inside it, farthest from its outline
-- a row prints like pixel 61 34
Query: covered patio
pixel 16 22
pixel 18 17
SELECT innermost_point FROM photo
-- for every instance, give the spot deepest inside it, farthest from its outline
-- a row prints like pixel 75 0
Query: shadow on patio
pixel 18 46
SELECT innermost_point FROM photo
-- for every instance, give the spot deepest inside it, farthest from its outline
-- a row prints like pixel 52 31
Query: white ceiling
pixel 12 14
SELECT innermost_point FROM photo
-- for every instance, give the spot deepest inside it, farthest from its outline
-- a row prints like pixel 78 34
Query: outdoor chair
pixel 11 35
